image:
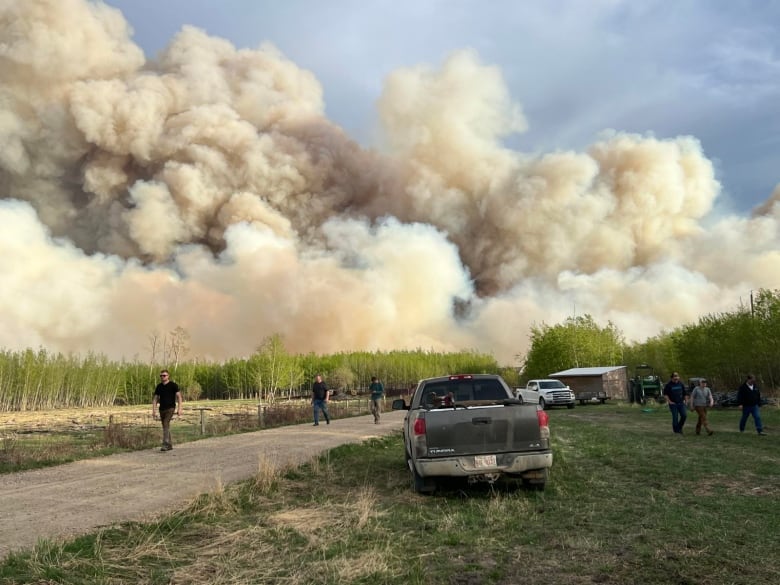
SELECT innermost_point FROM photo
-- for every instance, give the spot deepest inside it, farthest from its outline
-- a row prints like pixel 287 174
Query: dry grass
pixel 41 438
pixel 307 522
pixel 621 508
pixel 269 470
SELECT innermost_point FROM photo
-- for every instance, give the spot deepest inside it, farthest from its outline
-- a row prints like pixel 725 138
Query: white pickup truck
pixel 547 393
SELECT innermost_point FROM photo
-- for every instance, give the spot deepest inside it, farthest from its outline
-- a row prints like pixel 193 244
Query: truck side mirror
pixel 400 404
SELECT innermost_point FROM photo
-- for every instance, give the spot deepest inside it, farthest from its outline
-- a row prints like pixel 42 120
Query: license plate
pixel 484 461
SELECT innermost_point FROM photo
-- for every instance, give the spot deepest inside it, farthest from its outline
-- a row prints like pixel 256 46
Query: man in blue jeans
pixel 749 398
pixel 319 399
pixel 674 391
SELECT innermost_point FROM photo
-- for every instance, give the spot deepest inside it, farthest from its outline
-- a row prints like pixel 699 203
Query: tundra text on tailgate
pixel 471 426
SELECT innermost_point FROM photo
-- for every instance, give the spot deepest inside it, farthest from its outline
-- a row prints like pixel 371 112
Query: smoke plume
pixel 207 190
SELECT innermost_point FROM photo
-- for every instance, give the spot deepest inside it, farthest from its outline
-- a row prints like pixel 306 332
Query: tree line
pixel 39 380
pixel 723 347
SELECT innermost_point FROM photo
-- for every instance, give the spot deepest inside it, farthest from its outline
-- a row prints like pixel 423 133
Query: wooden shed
pixel 592 383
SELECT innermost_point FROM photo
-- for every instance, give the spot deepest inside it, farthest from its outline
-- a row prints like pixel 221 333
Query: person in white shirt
pixel 701 399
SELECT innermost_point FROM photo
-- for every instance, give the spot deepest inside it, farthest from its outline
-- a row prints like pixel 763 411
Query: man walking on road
pixel 319 400
pixel 168 396
pixel 377 393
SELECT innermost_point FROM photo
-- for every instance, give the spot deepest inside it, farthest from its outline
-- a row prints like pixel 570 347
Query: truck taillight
pixel 544 419
pixel 419 426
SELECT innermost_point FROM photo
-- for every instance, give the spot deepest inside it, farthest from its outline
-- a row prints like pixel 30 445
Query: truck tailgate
pixel 483 429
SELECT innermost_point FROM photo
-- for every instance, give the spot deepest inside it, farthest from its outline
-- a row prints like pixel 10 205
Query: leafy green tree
pixel 273 368
pixel 766 335
pixel 724 347
pixel 578 342
pixel 342 378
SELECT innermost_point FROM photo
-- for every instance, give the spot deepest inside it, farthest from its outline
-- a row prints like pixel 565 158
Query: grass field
pixel 30 440
pixel 628 502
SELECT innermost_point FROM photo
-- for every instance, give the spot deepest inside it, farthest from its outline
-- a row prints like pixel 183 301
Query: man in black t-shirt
pixel 319 399
pixel 168 396
pixel 749 399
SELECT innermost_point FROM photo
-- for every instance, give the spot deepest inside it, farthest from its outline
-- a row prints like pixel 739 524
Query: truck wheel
pixel 422 485
pixel 536 483
pixel 543 404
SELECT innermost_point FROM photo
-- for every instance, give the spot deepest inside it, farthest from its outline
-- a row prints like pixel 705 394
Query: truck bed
pixel 471 426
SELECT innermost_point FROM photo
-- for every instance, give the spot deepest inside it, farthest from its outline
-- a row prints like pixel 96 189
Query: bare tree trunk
pixel 154 339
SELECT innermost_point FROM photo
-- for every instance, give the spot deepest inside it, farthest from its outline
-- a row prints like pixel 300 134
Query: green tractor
pixel 645 384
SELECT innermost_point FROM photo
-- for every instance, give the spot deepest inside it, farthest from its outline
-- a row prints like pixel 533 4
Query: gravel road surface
pixel 77 498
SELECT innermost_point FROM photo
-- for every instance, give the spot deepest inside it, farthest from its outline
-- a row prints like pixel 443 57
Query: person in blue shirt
pixel 675 394
pixel 377 393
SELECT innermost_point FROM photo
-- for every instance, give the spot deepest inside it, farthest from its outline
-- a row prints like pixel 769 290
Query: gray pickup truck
pixel 471 426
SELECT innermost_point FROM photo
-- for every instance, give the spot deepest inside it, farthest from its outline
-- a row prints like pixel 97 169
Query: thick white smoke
pixel 207 190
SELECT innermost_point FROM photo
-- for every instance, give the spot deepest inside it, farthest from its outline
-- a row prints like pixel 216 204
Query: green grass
pixel 628 502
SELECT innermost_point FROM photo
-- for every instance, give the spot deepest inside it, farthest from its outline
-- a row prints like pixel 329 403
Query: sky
pixel 577 67
pixel 375 176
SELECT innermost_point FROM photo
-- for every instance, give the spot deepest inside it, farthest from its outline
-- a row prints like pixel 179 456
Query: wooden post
pixel 202 410
pixel 260 415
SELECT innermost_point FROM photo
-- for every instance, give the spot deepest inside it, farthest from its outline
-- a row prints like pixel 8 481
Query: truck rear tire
pixel 422 485
pixel 537 483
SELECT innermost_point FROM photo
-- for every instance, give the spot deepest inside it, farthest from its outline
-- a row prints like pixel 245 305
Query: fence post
pixel 260 415
pixel 202 410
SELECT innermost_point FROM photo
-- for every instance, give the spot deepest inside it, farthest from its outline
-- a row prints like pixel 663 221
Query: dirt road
pixel 76 498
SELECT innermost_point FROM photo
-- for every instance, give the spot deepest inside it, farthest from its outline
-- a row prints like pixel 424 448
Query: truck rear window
pixel 463 390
